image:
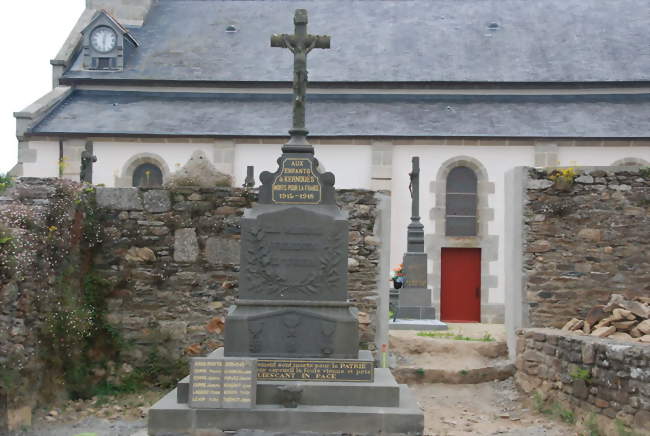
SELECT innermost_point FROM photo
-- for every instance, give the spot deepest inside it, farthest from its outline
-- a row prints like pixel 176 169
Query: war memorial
pixel 291 360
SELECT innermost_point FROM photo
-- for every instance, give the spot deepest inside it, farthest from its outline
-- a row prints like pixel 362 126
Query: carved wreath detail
pixel 266 279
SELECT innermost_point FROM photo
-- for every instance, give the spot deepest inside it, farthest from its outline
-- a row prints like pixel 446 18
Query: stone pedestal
pixel 293 285
pixel 293 312
pixel 414 302
pixel 378 407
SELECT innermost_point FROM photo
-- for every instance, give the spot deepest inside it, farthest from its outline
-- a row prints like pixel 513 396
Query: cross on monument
pixel 300 44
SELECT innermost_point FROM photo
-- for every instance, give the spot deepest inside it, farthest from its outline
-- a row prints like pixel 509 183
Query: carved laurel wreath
pixel 266 279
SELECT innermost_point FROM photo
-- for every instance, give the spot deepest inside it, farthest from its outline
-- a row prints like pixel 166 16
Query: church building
pixel 474 88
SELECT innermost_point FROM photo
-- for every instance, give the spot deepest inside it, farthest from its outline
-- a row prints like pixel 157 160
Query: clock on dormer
pixel 103 39
pixel 104 43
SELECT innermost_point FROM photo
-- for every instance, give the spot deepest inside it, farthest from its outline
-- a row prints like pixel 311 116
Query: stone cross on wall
pixel 300 44
pixel 415 238
pixel 249 182
pixel 87 160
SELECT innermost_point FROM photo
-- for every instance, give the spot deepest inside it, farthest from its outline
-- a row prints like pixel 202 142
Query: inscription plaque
pixel 315 370
pixel 222 383
pixel 416 272
pixel 294 254
pixel 296 183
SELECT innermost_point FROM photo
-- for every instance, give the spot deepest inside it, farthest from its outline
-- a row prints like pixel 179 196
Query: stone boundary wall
pixel 589 375
pixel 583 241
pixel 172 257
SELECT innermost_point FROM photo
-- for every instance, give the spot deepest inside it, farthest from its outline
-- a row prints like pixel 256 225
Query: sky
pixel 32 32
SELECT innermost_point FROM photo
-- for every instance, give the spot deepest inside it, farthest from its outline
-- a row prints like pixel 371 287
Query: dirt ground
pixel 412 351
pixel 491 408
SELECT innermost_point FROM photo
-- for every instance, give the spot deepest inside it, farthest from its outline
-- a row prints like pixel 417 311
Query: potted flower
pixel 398 276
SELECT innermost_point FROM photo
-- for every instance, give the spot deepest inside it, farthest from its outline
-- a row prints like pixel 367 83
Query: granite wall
pixel 172 258
pixel 171 261
pixel 40 230
pixel 601 379
pixel 584 241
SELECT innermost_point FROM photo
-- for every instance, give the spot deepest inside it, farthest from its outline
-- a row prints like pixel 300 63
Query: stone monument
pixel 415 310
pixel 292 322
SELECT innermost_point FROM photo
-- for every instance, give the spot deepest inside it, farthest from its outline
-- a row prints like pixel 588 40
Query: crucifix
pixel 415 237
pixel 87 160
pixel 300 44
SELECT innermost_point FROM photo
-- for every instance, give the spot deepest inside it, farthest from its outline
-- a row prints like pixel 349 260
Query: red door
pixel 460 294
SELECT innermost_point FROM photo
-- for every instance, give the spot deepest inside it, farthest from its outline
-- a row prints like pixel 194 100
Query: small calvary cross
pixel 300 45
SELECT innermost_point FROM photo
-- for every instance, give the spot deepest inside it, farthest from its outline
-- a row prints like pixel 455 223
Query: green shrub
pixel 5 182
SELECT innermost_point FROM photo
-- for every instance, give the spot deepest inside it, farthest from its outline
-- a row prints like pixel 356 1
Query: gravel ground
pixel 493 408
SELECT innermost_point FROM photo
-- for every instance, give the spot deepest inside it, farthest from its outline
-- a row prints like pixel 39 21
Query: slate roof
pixel 395 41
pixel 134 113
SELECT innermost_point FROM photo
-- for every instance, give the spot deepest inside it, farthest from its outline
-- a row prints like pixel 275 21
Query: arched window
pixel 461 203
pixel 147 175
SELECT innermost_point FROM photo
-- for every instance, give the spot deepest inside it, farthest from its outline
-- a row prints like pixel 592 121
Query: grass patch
pixel 581 374
pixel 456 336
pixel 623 430
pixel 554 410
pixel 592 426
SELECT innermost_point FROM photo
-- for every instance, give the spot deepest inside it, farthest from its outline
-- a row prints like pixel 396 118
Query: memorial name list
pixel 222 383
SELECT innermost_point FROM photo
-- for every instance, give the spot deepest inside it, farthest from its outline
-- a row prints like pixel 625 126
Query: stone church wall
pixel 584 241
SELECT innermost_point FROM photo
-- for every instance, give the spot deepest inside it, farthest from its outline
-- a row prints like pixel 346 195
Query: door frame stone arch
pixel 125 180
pixel 489 244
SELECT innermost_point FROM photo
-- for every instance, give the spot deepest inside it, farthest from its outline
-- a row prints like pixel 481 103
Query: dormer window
pixel 103 39
pixel 104 43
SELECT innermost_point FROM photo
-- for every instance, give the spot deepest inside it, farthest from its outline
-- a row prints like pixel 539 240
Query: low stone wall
pixel 173 260
pixel 588 375
pixel 584 241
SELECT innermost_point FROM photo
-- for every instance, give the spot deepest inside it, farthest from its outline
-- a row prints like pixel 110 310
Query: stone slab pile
pixel 620 319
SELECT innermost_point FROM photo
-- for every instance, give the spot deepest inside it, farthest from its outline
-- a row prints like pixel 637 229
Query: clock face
pixel 103 39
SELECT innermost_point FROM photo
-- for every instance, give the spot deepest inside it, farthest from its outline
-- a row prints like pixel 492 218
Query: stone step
pixel 382 392
pixel 170 417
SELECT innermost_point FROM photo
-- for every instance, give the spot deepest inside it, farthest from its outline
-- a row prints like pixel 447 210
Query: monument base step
pixel 170 417
pixel 416 312
pixel 382 392
pixel 417 324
